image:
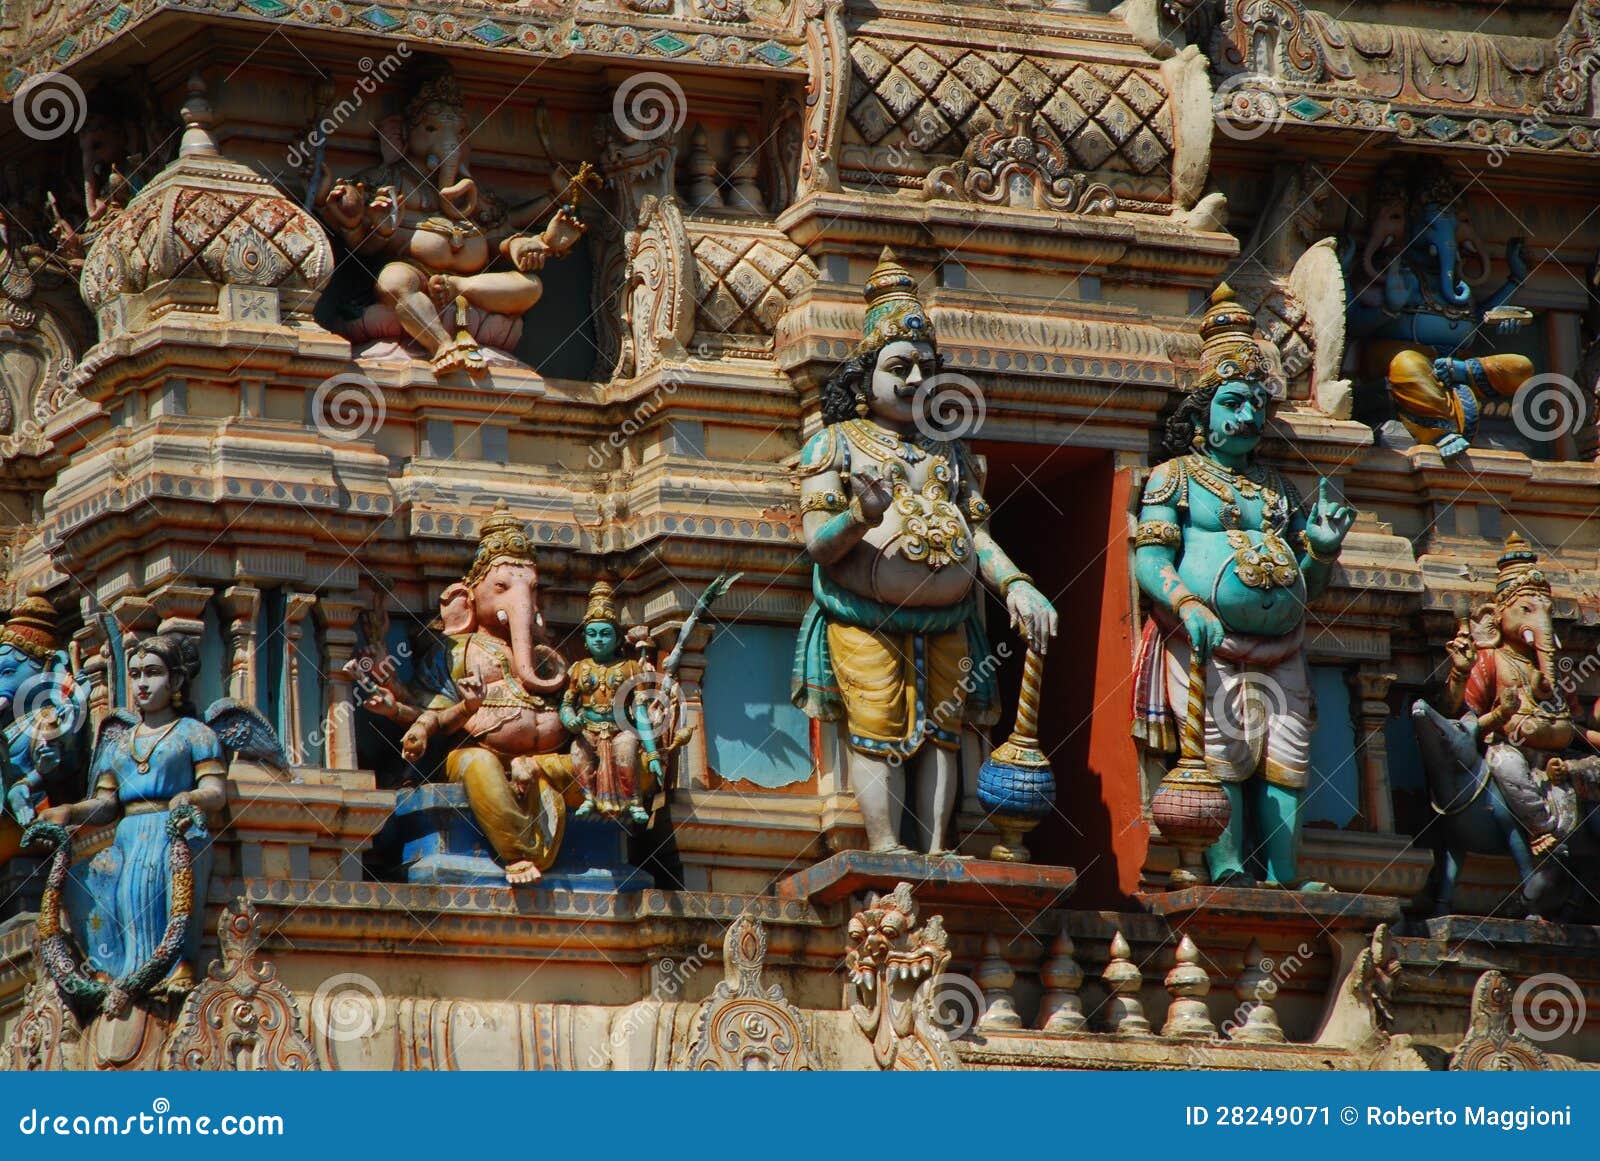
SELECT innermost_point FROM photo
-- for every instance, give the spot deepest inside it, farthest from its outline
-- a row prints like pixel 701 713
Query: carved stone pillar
pixel 296 606
pixel 96 662
pixel 1369 688
pixel 182 608
pixel 338 707
pixel 242 605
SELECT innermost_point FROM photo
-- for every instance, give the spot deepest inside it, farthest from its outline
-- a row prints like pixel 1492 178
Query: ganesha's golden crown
pixel 1519 571
pixel 441 90
pixel 503 537
pixel 31 628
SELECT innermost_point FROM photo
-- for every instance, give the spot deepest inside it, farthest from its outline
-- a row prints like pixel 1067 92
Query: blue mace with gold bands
pixel 1015 783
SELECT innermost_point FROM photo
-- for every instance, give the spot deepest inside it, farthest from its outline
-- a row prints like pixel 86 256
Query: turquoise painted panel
pixel 1334 795
pixel 753 732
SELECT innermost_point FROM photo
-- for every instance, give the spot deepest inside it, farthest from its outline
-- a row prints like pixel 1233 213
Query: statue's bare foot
pixel 443 289
pixel 896 849
pixel 460 355
pixel 523 871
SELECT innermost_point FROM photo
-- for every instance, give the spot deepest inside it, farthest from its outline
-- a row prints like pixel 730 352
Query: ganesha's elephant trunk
pixel 1455 291
pixel 527 653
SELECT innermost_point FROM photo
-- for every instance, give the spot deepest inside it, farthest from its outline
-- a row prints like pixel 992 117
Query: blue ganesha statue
pixel 44 720
pixel 1418 313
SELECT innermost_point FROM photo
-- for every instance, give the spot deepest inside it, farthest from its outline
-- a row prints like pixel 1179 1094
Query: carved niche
pixel 748 1025
pixel 893 965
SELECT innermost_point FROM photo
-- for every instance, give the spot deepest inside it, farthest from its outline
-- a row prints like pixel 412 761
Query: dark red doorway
pixel 1061 514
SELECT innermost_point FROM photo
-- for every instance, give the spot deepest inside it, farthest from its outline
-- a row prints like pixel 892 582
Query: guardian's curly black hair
pixel 1191 416
pixel 849 382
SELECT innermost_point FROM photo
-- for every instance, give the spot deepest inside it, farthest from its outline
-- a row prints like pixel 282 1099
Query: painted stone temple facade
pixel 799 534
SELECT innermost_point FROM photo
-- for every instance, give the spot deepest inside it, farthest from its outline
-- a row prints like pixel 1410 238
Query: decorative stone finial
pixel 1255 989
pixel 1061 1009
pixel 1125 1012
pixel 198 120
pixel 1188 982
pixel 995 976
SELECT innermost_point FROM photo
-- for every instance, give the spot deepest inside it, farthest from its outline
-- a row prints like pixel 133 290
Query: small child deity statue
pixel 600 709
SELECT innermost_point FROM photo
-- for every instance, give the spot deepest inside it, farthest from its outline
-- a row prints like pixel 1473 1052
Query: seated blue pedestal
pixel 441 844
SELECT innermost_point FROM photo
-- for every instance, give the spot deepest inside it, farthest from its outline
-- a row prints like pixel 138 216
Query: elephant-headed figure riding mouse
pixel 1511 767
pixel 44 715
pixel 508 686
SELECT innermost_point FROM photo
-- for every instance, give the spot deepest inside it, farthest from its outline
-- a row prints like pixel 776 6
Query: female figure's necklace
pixel 143 764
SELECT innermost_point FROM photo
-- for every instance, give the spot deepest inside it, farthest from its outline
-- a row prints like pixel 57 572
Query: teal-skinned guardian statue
pixel 1228 556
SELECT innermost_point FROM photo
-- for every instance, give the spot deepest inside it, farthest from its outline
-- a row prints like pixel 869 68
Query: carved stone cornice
pixel 1286 63
pixel 632 33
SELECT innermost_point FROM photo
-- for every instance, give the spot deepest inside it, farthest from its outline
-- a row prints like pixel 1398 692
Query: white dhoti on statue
pixel 1259 710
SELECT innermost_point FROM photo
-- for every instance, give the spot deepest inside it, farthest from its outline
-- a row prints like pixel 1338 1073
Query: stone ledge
pixel 936 880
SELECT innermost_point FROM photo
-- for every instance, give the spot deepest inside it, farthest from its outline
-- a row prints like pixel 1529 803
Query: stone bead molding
pixel 762 35
pixel 1282 62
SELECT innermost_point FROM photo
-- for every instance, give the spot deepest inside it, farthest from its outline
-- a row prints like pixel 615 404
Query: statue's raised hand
pixel 874 493
pixel 1031 615
pixel 1328 523
pixel 1516 260
pixel 1461 649
pixel 469 688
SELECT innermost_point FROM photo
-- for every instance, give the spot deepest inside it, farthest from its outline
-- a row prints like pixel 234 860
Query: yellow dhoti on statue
pixel 1431 409
pixel 520 828
pixel 901 689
